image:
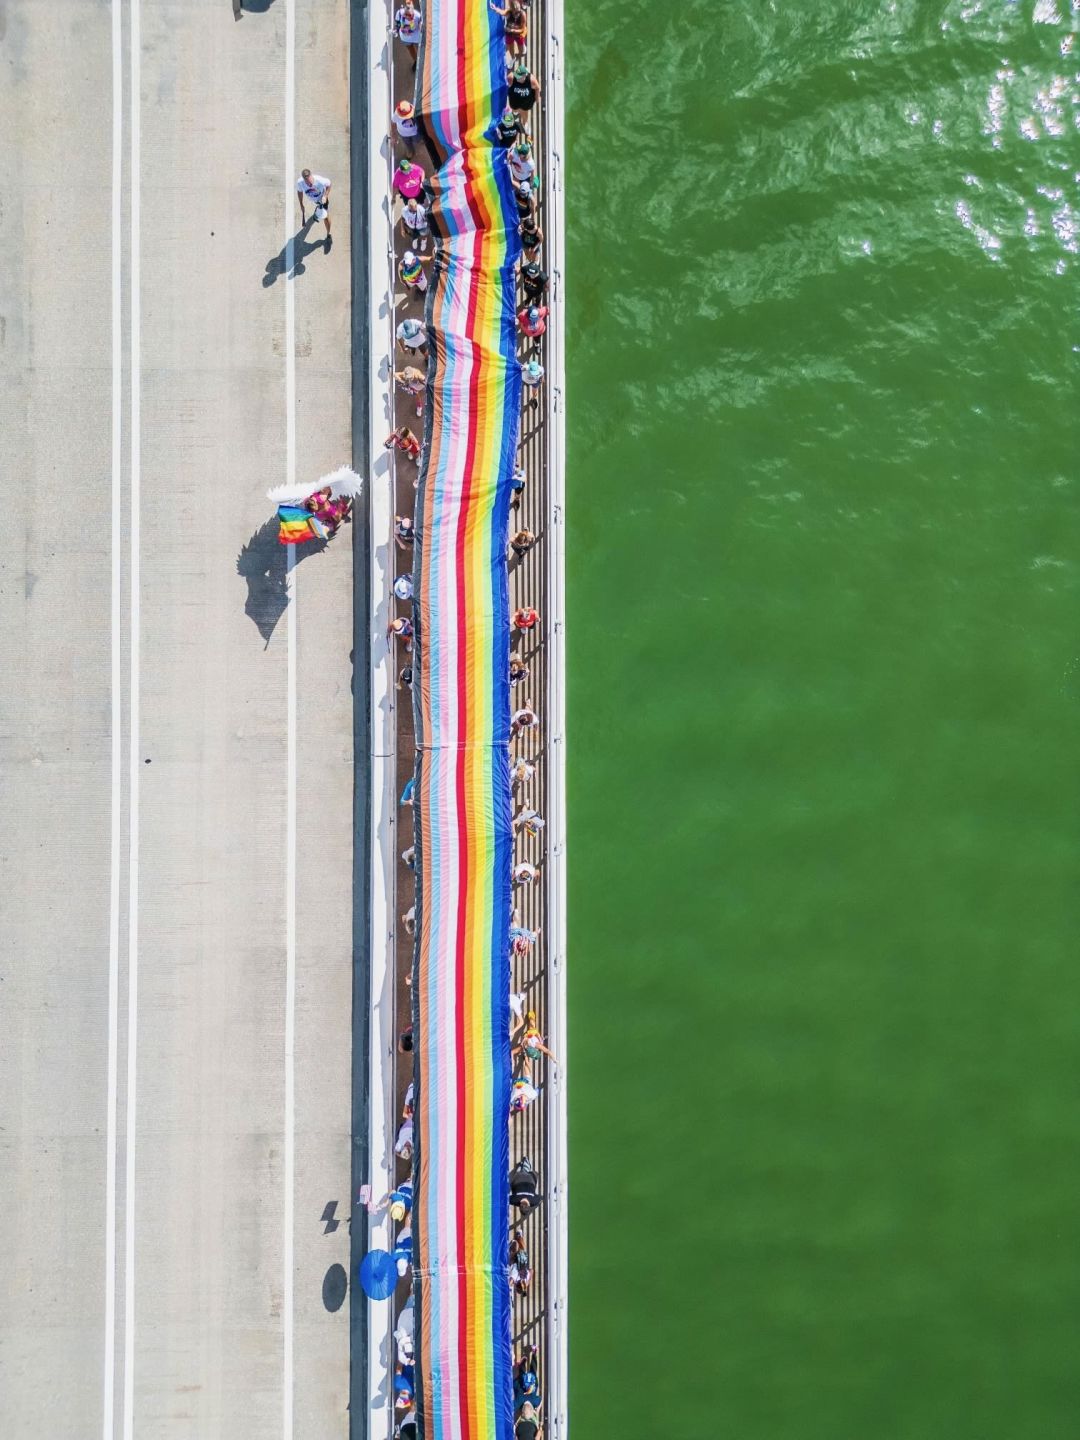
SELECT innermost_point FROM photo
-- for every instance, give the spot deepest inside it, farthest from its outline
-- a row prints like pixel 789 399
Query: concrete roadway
pixel 149 888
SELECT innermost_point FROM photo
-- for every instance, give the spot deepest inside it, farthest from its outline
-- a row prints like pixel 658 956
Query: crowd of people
pixel 415 256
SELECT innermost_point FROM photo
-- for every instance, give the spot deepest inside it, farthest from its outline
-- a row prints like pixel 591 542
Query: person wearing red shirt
pixel 533 320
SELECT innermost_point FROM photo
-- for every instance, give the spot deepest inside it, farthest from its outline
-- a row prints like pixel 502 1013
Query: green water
pixel 825 712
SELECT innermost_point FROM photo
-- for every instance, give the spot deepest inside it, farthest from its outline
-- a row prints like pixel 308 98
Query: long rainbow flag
pixel 462 698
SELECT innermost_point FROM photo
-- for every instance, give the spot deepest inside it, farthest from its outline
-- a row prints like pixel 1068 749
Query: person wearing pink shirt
pixel 408 180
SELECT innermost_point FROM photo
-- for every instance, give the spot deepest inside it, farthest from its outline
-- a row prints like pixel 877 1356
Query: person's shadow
pixel 264 564
pixel 292 254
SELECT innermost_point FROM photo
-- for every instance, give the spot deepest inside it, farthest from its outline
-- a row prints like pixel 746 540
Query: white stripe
pixel 133 743
pixel 290 803
pixel 109 1378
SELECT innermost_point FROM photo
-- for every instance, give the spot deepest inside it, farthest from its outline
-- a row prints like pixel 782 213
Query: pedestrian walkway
pixel 530 748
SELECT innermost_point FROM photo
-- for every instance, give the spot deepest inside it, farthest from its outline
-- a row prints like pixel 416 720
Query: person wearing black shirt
pixel 525 1186
pixel 533 281
pixel 523 196
pixel 531 235
pixel 508 128
pixel 523 90
pixel 528 1426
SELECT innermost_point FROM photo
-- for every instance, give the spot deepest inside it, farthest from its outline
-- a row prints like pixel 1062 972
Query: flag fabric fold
pixel 461 694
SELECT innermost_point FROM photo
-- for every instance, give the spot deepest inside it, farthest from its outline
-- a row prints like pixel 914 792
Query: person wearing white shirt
pixel 405 125
pixel 317 190
pixel 407 23
pixel 414 224
pixel 522 164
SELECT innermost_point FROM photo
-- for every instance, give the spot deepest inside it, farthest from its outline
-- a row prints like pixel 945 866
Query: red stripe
pixel 463 852
pixel 464 517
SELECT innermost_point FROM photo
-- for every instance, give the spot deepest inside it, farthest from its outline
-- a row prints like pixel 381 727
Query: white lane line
pixel 109 1378
pixel 290 803
pixel 133 738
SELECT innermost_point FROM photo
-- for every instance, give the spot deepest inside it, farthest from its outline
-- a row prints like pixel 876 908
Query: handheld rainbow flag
pixel 297 523
pixel 462 806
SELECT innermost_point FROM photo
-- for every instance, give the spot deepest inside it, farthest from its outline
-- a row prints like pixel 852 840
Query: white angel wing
pixel 341 482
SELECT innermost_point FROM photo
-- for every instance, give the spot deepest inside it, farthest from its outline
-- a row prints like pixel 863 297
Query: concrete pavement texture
pixel 176 726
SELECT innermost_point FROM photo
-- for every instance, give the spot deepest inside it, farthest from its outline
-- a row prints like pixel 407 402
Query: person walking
pixel 404 118
pixel 526 1383
pixel 523 91
pixel 532 374
pixel 522 939
pixel 407 24
pixel 528 1425
pixel 404 440
pixel 517 486
pixel 411 271
pixel 522 163
pixel 509 130
pixel 525 718
pixel 532 320
pixel 533 282
pixel 524 1186
pixel 522 1093
pixel 411 336
pixel 414 224
pixel 408 180
pixel 520 1271
pixel 515 24
pixel 317 190
pixel 527 818
pixel 521 542
pixel 523 199
pixel 526 1393
pixel 401 629
pixel 524 618
pixel 527 1043
pixel 412 381
pixel 522 771
pixel 532 237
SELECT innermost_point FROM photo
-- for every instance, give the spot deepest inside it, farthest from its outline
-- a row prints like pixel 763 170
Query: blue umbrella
pixel 378 1274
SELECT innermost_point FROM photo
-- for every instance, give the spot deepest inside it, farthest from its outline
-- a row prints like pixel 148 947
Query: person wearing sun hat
pixel 400 1206
pixel 523 91
pixel 405 124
